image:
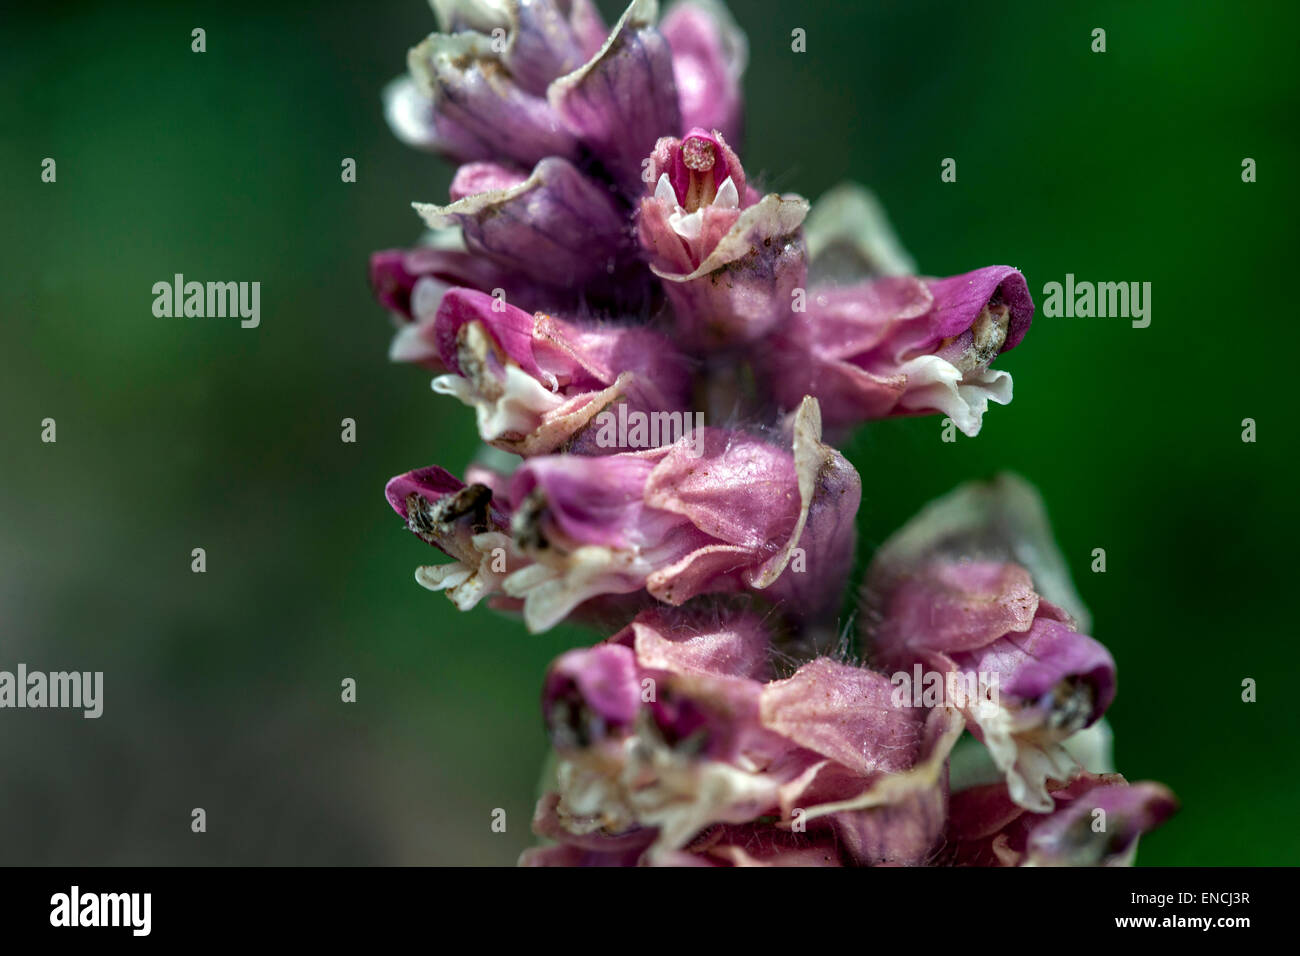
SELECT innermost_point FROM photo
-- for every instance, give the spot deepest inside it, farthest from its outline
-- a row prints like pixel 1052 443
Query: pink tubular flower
pixel 714 512
pixel 556 226
pixel 624 98
pixel 411 284
pixel 1095 820
pixel 675 747
pixel 471 101
pixel 899 345
pixel 699 192
pixel 985 619
pixel 517 82
pixel 475 99
pixel 729 261
pixel 538 382
pixel 942 598
pixel 461 520
pixel 544 38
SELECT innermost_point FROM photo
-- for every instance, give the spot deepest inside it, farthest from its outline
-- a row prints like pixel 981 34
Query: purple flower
pixel 544 38
pixel 538 382
pixel 542 86
pixel 460 520
pixel 674 746
pixel 984 620
pixel 900 345
pixel 475 102
pixel 556 226
pixel 622 100
pixel 1094 820
pixel 715 512
pixel 942 599
pixel 730 262
pixel 412 282
pixel 517 82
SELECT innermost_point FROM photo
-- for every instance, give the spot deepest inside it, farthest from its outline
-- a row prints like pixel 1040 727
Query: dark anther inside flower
pixel 1070 705
pixel 979 345
pixel 526 525
pixel 430 518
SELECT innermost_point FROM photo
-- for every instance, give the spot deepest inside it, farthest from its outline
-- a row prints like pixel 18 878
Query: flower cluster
pixel 658 354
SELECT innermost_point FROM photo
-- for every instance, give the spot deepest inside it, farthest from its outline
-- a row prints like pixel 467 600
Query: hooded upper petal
pixel 555 226
pixel 538 382
pixel 900 345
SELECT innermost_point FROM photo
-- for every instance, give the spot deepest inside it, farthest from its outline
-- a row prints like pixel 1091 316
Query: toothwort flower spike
pixel 657 356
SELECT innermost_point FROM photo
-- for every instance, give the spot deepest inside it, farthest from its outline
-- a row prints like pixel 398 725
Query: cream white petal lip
pixel 515 409
pixel 936 384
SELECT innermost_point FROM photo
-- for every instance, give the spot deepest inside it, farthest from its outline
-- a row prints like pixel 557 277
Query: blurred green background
pixel 222 689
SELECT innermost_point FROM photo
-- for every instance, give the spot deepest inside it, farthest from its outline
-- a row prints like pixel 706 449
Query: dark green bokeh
pixel 222 689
